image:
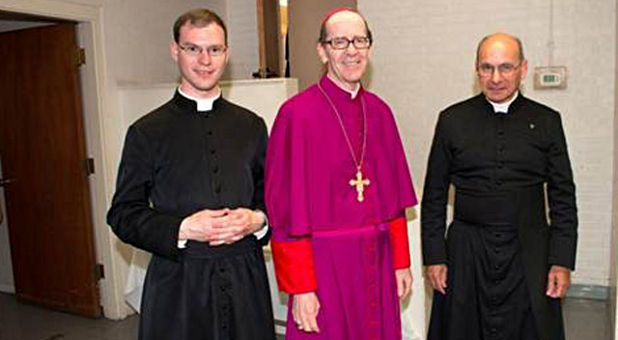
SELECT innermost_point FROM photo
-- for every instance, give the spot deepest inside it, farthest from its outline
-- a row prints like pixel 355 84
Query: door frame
pixel 98 119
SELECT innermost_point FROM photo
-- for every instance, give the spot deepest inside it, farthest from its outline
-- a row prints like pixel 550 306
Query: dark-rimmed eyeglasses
pixel 195 50
pixel 341 43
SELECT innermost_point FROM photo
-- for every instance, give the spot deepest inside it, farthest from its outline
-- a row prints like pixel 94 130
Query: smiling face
pixel 499 53
pixel 346 66
pixel 200 73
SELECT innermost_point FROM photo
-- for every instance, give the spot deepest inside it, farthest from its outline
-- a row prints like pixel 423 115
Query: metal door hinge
pixel 99 271
pixel 79 56
pixel 89 165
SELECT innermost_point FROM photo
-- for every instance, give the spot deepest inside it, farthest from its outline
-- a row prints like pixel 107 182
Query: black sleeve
pixel 561 197
pixel 258 175
pixel 131 216
pixel 435 196
pixel 258 167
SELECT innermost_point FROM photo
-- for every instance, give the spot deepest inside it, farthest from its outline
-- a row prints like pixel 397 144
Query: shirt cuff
pixel 262 232
pixel 182 244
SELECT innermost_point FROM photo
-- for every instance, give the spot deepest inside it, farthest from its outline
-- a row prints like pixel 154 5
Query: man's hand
pixel 404 282
pixel 222 226
pixel 305 312
pixel 437 275
pixel 242 222
pixel 203 225
pixel 558 281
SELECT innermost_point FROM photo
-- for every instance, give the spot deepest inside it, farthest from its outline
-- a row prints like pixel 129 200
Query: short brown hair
pixel 200 17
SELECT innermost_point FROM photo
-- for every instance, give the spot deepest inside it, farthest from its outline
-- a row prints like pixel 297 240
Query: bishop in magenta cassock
pixel 337 186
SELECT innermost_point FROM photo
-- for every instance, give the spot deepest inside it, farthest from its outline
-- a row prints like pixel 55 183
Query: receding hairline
pixel 324 30
pixel 507 36
pixel 344 12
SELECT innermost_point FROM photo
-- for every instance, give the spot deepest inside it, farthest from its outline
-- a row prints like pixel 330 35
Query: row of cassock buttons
pixel 215 166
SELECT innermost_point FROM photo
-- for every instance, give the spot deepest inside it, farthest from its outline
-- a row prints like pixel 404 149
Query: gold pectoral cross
pixel 360 184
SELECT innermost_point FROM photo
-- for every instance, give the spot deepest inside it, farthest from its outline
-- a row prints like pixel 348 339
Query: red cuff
pixel 294 266
pixel 398 233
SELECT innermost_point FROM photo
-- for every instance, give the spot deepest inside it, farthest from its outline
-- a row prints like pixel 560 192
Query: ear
pixel 322 53
pixel 227 55
pixel 524 69
pixel 174 50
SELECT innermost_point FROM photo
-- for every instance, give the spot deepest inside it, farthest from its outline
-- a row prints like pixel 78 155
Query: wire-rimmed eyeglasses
pixel 505 69
pixel 195 50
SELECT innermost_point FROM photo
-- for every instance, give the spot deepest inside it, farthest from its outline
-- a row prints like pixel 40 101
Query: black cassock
pixel 500 245
pixel 177 161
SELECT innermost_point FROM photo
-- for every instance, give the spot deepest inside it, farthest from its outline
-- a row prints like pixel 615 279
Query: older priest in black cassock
pixel 502 269
pixel 190 191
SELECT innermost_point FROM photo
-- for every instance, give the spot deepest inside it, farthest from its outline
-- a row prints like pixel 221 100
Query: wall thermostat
pixel 550 77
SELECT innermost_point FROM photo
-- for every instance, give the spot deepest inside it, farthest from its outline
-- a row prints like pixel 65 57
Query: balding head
pixel 341 16
pixel 507 40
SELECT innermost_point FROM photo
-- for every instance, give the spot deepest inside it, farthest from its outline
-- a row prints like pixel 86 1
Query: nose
pixel 495 75
pixel 351 49
pixel 204 57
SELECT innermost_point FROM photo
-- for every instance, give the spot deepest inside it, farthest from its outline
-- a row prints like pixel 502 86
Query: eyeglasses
pixel 195 50
pixel 505 69
pixel 341 43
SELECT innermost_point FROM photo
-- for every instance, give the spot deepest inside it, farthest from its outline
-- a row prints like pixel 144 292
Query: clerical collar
pixel 353 93
pixel 203 104
pixel 503 107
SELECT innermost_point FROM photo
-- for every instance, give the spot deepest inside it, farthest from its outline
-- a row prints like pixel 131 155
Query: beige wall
pixel 137 35
pixel 242 29
pixel 423 61
pixel 304 20
pixel 138 32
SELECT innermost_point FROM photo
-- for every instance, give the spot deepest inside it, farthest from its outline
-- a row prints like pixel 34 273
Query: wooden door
pixel 269 37
pixel 43 155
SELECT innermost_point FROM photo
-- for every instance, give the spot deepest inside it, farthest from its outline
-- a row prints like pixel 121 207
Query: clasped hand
pixel 223 226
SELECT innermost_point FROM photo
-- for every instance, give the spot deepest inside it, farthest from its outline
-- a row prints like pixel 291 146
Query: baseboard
pixel 592 292
pixel 280 327
pixel 280 330
pixel 411 337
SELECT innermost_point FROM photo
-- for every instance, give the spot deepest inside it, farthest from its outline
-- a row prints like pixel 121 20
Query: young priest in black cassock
pixel 190 191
